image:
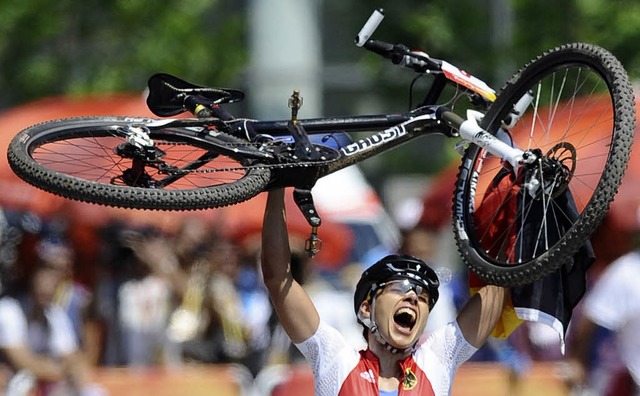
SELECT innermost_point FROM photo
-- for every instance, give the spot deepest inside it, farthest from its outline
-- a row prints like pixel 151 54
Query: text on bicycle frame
pixel 374 140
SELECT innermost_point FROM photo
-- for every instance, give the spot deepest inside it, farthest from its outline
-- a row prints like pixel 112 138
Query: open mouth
pixel 405 318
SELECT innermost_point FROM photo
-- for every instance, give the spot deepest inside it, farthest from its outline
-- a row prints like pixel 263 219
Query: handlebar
pixel 397 53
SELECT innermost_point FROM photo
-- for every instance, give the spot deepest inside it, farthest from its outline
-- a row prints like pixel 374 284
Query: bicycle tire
pixel 590 82
pixel 75 158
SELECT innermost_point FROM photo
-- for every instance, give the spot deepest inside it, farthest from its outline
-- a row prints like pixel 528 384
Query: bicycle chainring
pixel 286 153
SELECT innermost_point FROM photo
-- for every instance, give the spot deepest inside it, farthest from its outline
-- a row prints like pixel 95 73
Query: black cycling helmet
pixel 396 266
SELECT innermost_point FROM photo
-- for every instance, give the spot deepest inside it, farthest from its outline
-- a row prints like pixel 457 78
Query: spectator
pixel 613 304
pixel 134 302
pixel 221 317
pixel 74 298
pixel 37 342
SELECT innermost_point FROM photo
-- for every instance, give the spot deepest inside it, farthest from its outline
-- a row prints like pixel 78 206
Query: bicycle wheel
pixel 512 229
pixel 88 159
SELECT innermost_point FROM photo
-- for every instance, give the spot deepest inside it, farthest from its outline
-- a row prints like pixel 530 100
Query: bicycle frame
pixel 396 130
pixel 386 131
pixel 399 129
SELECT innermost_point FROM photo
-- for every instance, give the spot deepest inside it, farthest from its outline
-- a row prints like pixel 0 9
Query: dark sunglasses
pixel 404 286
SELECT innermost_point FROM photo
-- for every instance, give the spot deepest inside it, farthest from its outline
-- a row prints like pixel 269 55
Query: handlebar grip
pixel 369 27
pixel 387 50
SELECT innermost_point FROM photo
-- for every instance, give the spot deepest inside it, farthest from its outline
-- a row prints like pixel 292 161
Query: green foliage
pixel 615 25
pixel 70 47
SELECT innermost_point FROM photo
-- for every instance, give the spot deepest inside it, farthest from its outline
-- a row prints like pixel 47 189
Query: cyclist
pixel 392 301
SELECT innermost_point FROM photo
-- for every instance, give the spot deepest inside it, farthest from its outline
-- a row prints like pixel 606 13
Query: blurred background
pixel 68 58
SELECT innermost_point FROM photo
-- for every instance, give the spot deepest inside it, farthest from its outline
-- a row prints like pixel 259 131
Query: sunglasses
pixel 404 286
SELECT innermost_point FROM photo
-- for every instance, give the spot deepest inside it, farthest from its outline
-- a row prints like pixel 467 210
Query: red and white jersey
pixel 340 370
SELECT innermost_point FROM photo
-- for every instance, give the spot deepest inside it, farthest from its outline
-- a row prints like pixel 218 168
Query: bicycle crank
pixel 304 200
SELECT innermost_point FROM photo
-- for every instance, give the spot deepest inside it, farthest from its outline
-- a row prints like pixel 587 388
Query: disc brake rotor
pixel 551 174
pixel 561 159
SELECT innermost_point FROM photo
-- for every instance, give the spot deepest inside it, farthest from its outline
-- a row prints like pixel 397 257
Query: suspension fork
pixel 470 131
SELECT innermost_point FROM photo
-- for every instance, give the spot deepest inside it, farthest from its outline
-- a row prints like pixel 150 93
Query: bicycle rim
pixel 513 229
pixel 87 159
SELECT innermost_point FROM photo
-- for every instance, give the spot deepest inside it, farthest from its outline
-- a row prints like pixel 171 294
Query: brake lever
pixel 419 61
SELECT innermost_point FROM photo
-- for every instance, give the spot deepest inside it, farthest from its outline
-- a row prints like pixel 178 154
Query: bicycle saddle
pixel 167 94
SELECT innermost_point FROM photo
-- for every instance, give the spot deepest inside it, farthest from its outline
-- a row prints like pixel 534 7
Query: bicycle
pixel 571 108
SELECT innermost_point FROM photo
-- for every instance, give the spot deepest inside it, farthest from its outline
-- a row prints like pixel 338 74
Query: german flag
pixel 551 299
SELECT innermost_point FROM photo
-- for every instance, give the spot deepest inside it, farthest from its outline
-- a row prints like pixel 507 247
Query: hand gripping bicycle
pixel 563 123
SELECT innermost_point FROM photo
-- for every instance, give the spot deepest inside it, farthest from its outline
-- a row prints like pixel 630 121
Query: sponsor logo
pixel 369 376
pixel 24 137
pixel 460 203
pixel 483 139
pixel 374 140
pixel 459 210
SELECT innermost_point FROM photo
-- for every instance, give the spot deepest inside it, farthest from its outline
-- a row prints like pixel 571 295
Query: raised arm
pixel 296 312
pixel 481 313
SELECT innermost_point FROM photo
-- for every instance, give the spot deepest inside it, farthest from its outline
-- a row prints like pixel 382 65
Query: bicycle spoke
pixel 94 158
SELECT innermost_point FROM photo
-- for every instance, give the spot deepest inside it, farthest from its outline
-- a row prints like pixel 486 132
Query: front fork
pixel 470 131
pixel 552 171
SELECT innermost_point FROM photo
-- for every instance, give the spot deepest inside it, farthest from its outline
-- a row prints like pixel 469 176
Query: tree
pixel 70 47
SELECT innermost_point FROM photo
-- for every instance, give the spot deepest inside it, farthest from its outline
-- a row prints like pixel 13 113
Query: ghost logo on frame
pixel 374 140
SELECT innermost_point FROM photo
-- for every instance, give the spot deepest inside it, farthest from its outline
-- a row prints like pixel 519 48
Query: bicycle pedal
pixel 295 103
pixel 313 245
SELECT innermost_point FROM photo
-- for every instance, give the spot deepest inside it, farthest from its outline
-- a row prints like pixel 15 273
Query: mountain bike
pixel 562 124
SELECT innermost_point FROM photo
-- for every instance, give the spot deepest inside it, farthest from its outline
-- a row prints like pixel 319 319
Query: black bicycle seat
pixel 167 93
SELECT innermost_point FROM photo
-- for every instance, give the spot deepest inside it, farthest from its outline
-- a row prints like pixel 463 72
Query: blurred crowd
pixel 145 297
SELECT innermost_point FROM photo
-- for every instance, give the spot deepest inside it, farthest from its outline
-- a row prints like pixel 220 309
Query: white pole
pixel 286 54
